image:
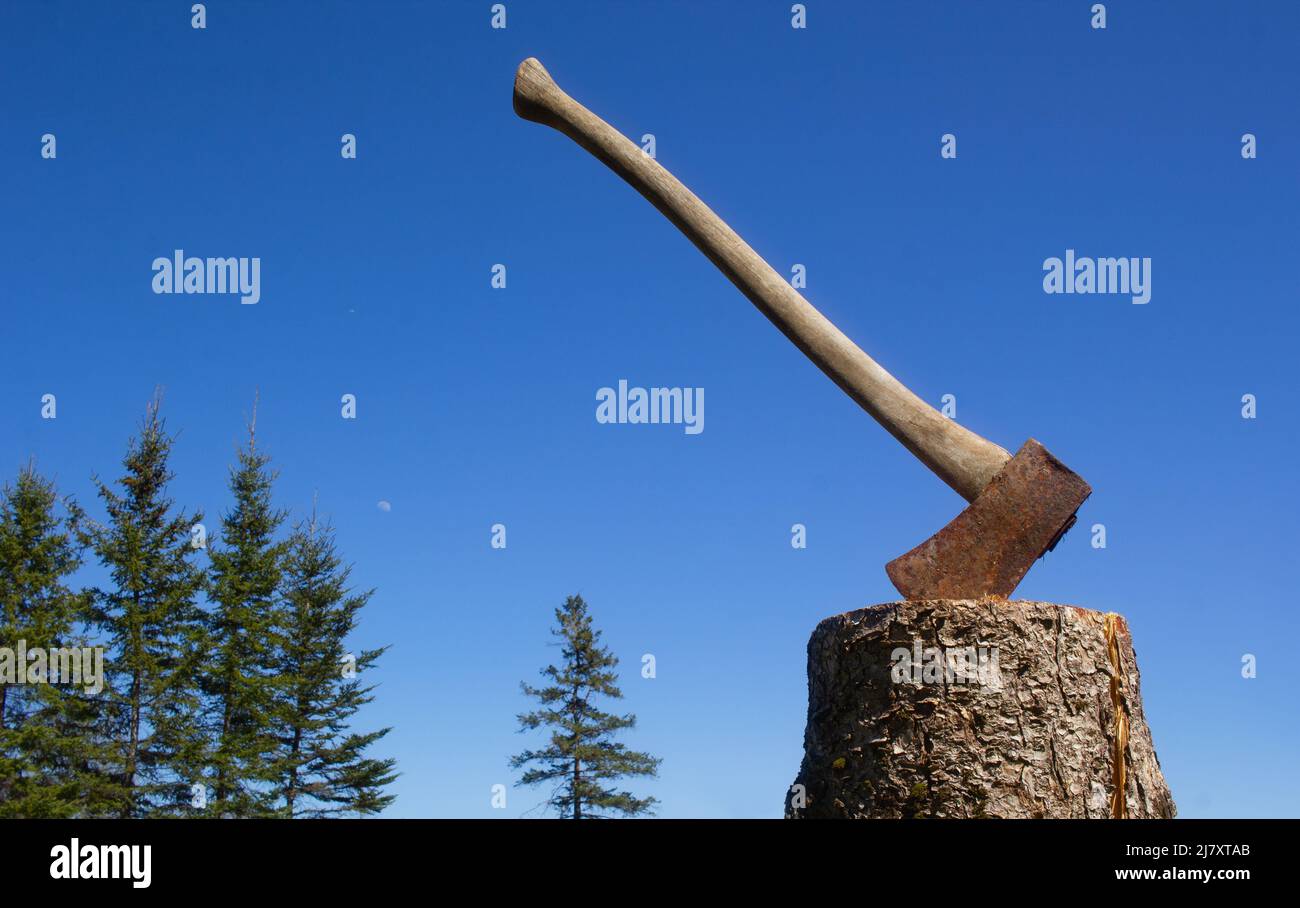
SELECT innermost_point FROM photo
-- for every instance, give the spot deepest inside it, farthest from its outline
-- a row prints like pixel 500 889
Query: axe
pixel 1019 507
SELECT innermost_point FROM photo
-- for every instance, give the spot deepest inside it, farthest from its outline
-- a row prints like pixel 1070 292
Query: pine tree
pixel 46 750
pixel 322 766
pixel 154 631
pixel 582 757
pixel 238 677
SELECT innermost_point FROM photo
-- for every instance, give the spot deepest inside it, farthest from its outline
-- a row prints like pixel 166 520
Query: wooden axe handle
pixel 957 455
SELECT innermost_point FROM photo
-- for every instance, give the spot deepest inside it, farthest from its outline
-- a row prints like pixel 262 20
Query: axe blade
pixel 990 546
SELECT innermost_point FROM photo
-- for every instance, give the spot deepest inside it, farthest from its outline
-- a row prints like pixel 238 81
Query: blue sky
pixel 476 405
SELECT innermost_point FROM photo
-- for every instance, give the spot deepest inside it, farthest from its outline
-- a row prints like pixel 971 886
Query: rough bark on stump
pixel 1029 731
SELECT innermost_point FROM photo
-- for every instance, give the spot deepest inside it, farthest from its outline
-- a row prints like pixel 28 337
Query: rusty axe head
pixel 989 547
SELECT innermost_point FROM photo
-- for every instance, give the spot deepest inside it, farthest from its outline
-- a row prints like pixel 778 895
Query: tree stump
pixel 964 708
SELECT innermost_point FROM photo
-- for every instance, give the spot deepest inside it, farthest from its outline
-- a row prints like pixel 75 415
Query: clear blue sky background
pixel 476 405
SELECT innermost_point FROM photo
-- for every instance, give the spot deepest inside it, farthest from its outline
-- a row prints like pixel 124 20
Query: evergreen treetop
pixel 153 627
pixel 239 678
pixel 582 758
pixel 322 767
pixel 45 748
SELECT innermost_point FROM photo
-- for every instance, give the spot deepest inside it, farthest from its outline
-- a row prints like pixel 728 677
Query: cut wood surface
pixel 966 708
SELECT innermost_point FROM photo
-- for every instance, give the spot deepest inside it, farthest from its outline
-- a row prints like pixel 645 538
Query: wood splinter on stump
pixel 976 708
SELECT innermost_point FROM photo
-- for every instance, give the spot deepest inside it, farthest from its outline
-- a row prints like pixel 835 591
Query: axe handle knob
pixel 958 456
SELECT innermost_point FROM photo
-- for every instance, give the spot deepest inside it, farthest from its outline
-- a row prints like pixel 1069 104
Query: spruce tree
pixel 154 630
pixel 322 766
pixel 582 757
pixel 46 749
pixel 238 676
